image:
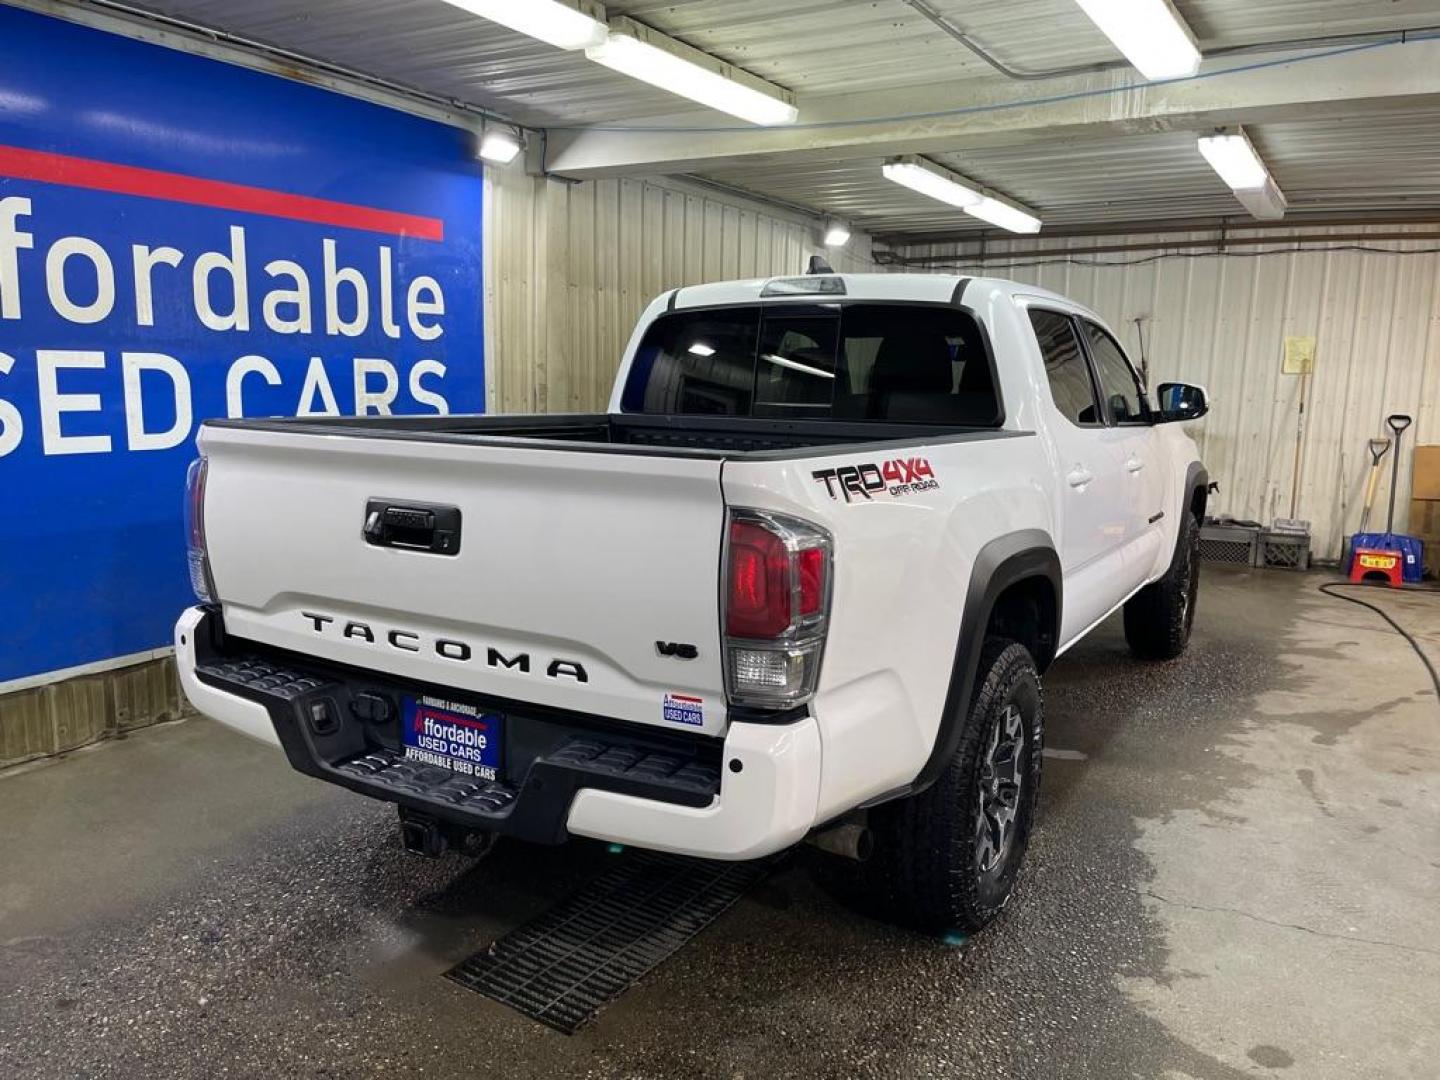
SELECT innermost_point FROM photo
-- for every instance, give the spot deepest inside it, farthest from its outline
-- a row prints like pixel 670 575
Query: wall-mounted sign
pixel 1299 356
pixel 182 238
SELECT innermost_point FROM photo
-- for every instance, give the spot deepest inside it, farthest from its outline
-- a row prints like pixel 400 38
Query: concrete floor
pixel 1236 873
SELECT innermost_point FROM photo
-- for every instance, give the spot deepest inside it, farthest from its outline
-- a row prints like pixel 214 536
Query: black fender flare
pixel 1196 478
pixel 1002 562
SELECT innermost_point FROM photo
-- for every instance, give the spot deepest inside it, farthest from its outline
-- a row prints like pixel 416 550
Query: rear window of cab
pixel 920 363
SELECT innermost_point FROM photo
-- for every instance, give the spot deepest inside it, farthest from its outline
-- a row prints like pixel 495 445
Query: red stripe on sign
pixel 422 714
pixel 176 187
pixel 682 697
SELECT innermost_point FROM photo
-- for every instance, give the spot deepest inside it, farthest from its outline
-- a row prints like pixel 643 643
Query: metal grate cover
pixel 564 966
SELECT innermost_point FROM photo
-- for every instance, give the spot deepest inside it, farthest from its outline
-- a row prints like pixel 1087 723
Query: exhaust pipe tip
pixel 852 841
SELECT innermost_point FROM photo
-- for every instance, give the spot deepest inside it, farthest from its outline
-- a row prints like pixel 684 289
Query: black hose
pixel 1326 588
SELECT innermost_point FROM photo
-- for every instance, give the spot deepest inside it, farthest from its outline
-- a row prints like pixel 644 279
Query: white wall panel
pixel 1221 320
pixel 569 268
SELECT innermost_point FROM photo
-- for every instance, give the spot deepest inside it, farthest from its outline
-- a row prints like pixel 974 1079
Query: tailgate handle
pixel 412 526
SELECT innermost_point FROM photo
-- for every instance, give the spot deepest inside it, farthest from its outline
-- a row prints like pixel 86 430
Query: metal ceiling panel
pixel 1336 163
pixel 1038 34
pixel 815 46
pixel 1375 163
pixel 438 48
pixel 809 46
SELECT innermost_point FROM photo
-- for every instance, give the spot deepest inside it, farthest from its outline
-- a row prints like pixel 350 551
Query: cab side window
pixel 1117 379
pixel 1071 386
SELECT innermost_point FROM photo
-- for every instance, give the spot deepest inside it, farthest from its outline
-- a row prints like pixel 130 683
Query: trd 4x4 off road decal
pixel 899 476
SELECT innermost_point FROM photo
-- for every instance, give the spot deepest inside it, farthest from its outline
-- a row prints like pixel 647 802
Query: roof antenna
pixel 818 265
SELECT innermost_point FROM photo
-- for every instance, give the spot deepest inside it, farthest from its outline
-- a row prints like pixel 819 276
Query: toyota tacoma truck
pixel 800 580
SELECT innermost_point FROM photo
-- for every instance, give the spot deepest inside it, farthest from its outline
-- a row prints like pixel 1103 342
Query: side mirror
pixel 1180 401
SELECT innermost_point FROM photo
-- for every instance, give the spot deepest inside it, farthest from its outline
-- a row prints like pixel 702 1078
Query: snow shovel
pixel 1397 425
pixel 1377 451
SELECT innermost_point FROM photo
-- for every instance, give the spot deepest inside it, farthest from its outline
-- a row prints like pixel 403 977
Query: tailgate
pixel 579 562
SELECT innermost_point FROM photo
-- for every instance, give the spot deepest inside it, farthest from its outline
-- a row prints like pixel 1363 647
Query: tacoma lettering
pixel 460 651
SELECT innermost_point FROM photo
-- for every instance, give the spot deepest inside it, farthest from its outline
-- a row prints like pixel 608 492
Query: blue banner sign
pixel 182 238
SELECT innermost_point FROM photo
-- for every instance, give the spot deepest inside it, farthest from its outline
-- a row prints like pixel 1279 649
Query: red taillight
pixel 811 563
pixel 758 604
pixel 195 502
pixel 197 555
pixel 777 608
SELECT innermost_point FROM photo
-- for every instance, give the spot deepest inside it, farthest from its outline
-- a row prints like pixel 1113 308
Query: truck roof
pixel 933 288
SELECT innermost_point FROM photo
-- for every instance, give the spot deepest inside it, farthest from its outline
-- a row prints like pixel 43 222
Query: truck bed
pixel 667 436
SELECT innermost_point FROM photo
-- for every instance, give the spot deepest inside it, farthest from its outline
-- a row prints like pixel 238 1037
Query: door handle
pixel 412 526
pixel 1134 465
pixel 1079 476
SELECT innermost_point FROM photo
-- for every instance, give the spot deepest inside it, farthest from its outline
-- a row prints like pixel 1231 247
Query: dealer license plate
pixel 452 735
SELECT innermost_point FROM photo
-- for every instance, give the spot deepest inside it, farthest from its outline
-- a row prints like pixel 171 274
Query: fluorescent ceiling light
pixel 1150 33
pixel 651 57
pixel 836 234
pixel 566 24
pixel 701 349
pixel 1267 202
pixel 920 175
pixel 930 179
pixel 499 146
pixel 1004 214
pixel 1235 159
pixel 1233 156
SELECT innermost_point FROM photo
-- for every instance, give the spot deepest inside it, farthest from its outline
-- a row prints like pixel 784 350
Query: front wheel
pixel 947 858
pixel 1158 618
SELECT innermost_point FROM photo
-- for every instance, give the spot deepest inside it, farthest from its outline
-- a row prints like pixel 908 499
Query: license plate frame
pixel 454 735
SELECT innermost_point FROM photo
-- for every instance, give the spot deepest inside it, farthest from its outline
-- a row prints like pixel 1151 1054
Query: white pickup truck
pixel 801 580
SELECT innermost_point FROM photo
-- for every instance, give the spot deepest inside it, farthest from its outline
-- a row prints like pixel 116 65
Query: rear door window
pixel 1071 385
pixel 882 362
pixel 1117 379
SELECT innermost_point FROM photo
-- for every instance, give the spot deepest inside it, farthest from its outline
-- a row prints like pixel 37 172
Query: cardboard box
pixel 1425 473
pixel 1432 558
pixel 1425 519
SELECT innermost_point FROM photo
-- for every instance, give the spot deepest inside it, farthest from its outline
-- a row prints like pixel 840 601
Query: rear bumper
pixel 753 795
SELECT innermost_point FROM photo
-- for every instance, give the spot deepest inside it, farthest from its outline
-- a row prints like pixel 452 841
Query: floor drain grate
pixel 562 967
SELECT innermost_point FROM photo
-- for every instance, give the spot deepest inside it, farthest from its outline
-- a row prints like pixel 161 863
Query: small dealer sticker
pixel 684 709
pixel 452 735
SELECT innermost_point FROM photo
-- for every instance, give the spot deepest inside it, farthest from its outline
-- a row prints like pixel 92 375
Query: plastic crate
pixel 1234 545
pixel 1282 551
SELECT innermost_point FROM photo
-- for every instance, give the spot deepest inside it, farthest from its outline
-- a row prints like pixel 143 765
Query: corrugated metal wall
pixel 1221 320
pixel 569 268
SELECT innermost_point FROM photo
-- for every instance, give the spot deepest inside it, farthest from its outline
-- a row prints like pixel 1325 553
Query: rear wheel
pixel 1158 618
pixel 947 857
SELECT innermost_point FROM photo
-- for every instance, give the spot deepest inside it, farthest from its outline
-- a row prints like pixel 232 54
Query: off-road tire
pixel 926 871
pixel 1158 618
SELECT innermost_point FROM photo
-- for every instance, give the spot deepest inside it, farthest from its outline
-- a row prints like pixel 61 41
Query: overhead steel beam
pixel 1228 224
pixel 987 112
pixel 1222 240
